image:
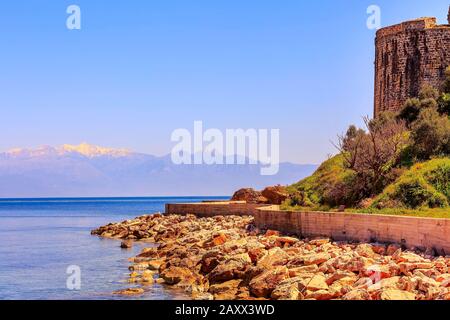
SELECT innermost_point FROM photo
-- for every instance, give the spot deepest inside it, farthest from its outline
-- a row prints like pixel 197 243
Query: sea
pixel 48 253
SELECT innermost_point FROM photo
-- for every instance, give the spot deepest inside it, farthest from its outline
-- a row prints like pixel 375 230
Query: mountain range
pixel 92 171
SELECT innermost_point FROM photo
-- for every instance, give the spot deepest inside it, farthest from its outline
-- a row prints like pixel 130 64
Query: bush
pixel 298 199
pixel 424 185
pixel 410 110
pixel 430 135
pixel 429 97
pixel 444 104
pixel 446 85
pixel 428 92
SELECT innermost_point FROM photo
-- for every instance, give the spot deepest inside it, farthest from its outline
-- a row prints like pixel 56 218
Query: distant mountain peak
pixel 92 151
pixel 84 149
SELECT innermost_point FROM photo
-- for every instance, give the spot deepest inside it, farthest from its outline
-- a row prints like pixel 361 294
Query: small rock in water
pixel 126 244
pixel 129 292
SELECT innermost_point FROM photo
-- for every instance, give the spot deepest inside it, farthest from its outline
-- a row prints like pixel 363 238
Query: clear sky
pixel 139 69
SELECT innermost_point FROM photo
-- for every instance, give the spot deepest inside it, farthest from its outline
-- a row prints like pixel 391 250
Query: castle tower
pixel 408 56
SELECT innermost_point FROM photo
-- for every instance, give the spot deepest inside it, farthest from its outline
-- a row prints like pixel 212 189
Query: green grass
pixel 425 185
pixel 321 187
pixel 425 212
pixel 428 213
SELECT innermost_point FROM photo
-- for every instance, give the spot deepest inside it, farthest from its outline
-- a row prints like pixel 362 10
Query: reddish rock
pixel 249 195
pixel 225 291
pixel 287 290
pixel 320 295
pixel 316 283
pixel 357 294
pixel 365 250
pixel 274 257
pixel 393 294
pixel 174 275
pixel 377 272
pixel 409 257
pixel 126 244
pixel 210 260
pixel 129 292
pixel 319 242
pixel 316 258
pixel 275 195
pixel 234 267
pixel 256 254
pixel 391 249
pixel 219 240
pixel 270 233
pixel 263 285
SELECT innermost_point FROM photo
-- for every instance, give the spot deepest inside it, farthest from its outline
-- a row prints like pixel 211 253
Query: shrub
pixel 444 104
pixel 410 110
pixel 446 85
pixel 298 199
pixel 430 135
pixel 428 92
pixel 428 98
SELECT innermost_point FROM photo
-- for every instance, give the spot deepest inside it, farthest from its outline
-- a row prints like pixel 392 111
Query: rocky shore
pixel 228 258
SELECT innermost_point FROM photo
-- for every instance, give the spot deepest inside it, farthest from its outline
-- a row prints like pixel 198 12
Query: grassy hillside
pixel 326 186
pixel 422 190
pixel 425 185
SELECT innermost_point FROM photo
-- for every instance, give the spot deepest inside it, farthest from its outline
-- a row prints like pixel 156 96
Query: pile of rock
pixel 141 228
pixel 228 258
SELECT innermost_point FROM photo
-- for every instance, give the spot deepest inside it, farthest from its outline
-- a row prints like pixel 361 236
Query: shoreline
pixel 229 258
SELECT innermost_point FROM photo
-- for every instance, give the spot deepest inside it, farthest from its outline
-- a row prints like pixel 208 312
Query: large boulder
pixel 264 284
pixel 393 294
pixel 275 195
pixel 226 290
pixel 249 195
pixel 174 275
pixel 357 294
pixel 274 257
pixel 287 290
pixel 234 267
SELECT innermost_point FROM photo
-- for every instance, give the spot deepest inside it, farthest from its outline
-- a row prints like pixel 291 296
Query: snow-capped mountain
pixel 89 171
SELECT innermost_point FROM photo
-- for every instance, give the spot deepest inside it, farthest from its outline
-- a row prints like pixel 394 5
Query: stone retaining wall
pixel 409 231
pixel 209 209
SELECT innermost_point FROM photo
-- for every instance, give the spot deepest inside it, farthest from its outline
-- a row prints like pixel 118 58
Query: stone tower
pixel 408 56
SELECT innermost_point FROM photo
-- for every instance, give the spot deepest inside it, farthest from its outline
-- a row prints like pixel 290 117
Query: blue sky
pixel 137 70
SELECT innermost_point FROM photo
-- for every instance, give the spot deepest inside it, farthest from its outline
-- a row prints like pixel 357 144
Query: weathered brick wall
pixel 209 209
pixel 410 231
pixel 408 56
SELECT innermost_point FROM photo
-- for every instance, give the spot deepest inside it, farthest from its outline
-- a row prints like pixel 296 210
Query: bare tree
pixel 372 153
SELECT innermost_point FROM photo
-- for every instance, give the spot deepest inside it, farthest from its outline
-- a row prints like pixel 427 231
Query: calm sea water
pixel 41 238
